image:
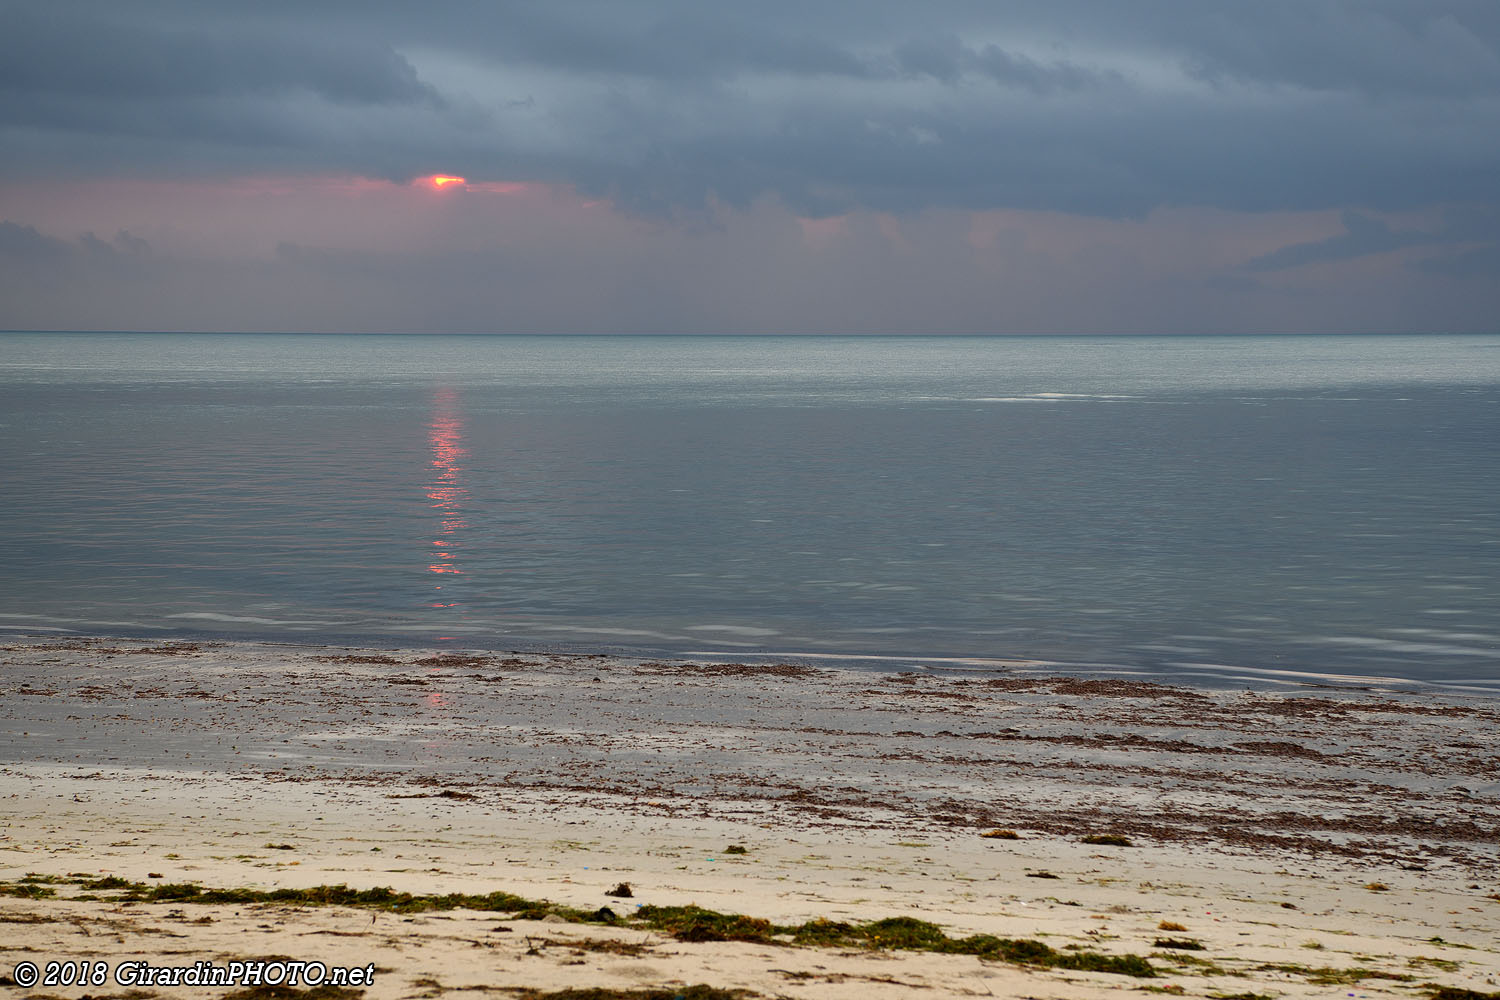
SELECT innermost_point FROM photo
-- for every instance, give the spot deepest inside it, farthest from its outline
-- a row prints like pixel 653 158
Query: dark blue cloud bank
pixel 1094 107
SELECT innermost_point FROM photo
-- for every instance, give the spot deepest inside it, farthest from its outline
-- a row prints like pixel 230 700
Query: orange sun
pixel 443 180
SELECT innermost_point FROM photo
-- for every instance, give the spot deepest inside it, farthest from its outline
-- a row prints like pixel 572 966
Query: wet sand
pixel 1315 842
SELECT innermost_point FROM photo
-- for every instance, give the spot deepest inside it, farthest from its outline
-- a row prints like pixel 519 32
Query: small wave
pixel 1398 646
pixel 214 616
pixel 593 630
pixel 1450 636
pixel 84 623
pixel 1271 673
pixel 732 629
pixel 919 662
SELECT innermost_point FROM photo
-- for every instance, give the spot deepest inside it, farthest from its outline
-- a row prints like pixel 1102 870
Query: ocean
pixel 1218 509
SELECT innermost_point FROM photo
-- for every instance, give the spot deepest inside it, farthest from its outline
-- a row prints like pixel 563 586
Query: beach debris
pixel 355 658
pixel 1001 834
pixel 621 891
pixel 1178 944
pixel 1108 840
pixel 736 849
pixel 453 660
pixel 1170 925
pixel 280 847
pixel 1377 887
pixel 155 875
pixel 1041 874
pixel 683 669
pixel 1459 993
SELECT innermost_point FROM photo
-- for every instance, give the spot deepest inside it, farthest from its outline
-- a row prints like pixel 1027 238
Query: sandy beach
pixel 1311 841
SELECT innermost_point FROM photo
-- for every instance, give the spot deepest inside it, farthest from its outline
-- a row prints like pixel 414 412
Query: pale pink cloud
pixel 344 252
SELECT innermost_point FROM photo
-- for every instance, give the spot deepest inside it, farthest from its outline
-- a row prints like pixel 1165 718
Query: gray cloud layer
pixel 1087 107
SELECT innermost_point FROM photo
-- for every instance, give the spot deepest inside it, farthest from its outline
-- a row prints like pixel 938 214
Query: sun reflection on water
pixel 446 492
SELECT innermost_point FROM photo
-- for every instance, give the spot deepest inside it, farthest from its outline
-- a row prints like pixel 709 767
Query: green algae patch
pixel 381 898
pixel 685 923
pixel 26 890
pixel 911 934
pixel 694 923
pixel 1327 976
pixel 1178 944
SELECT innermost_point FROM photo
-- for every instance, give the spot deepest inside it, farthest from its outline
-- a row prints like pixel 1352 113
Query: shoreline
pixel 632 645
pixel 1258 821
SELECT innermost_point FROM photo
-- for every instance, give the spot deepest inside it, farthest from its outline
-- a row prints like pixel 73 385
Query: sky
pixel 682 166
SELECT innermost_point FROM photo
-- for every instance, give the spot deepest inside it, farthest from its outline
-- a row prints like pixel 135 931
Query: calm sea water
pixel 1218 507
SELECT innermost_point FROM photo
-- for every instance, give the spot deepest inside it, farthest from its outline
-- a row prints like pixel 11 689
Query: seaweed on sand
pixel 685 923
pixel 691 923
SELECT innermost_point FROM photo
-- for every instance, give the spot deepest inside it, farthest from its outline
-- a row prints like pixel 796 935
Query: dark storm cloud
pixel 1365 235
pixel 1481 263
pixel 45 54
pixel 1362 236
pixel 668 105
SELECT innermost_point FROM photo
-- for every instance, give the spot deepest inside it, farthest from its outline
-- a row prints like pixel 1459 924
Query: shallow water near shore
pixel 1216 509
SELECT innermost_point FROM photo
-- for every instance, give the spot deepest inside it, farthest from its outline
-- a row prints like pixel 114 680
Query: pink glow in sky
pixel 341 252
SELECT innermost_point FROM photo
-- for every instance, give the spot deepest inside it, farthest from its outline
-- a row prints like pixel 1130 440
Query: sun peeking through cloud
pixel 441 181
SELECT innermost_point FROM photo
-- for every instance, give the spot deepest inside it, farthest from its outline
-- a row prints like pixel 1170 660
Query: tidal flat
pixel 1220 842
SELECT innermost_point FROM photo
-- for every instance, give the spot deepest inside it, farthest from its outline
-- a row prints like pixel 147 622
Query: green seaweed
pixel 693 923
pixel 381 897
pixel 25 890
pixel 1200 965
pixel 685 923
pixel 911 934
pixel 1178 944
pixel 1328 976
